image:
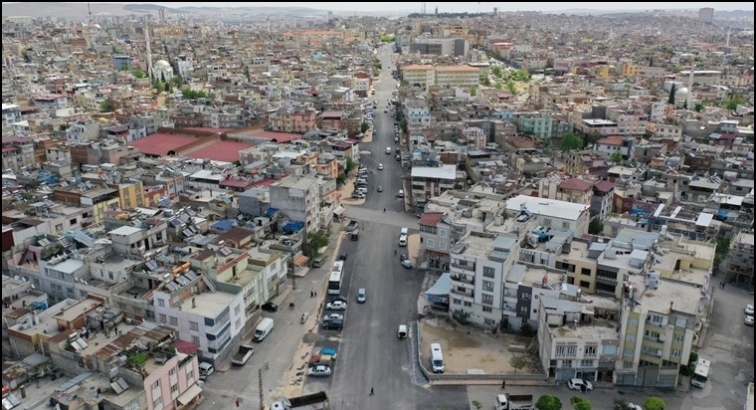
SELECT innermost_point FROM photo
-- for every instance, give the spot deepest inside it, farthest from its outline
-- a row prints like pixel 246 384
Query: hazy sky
pixel 472 6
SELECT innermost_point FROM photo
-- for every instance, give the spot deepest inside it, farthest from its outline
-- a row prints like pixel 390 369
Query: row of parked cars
pixel 361 184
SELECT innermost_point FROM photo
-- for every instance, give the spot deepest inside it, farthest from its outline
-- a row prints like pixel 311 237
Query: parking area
pixel 468 350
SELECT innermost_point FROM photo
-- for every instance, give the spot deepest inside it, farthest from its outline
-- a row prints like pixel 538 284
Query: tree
pixel 671 98
pixel 473 91
pixel 677 69
pixel 341 179
pixel 734 102
pixel 315 242
pixel 526 329
pixel 548 402
pixel 511 87
pixel 177 81
pixel 580 403
pixel 486 81
pixel 478 405
pixel 571 142
pixel 461 316
pixel 699 107
pixel 596 227
pixel 498 85
pixel 496 71
pixel 160 86
pixel 403 124
pixel 654 403
pixel 517 362
pixel 364 127
pixel 138 73
pixel 350 165
pixel 616 157
pixel 190 94
pixel 106 106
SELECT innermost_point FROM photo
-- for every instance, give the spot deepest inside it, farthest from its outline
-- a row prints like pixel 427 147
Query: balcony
pixel 469 279
pixel 463 292
pixel 469 267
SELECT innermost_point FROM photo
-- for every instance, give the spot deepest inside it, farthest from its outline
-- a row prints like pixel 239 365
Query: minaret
pixel 690 87
pixel 148 49
pixel 728 38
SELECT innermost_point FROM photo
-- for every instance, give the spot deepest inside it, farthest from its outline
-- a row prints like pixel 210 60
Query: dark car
pixel 333 325
pixel 340 298
pixel 343 257
pixel 269 307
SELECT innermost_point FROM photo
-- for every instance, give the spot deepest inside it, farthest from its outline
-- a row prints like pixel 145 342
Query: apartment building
pixel 659 323
pixel 298 198
pixel 551 214
pixel 171 381
pixel 454 47
pixel 422 75
pixel 11 115
pixel 578 339
pixel 457 76
pixel 625 146
pixel 417 114
pixel 101 199
pixel 435 238
pixel 479 266
pixel 740 259
pixel 297 121
pixel 18 153
pixel 429 182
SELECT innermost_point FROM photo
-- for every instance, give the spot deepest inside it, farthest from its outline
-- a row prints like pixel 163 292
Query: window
pixel 629 353
pixel 489 272
pixel 489 322
pixel 565 225
pixel 174 389
pixel 487 299
pixel 547 221
pixel 193 326
pixel 156 385
pixel 161 303
pixel 158 403
pixel 488 286
pixel 632 321
pixel 468 304
pixel 585 271
pixel 487 309
pixel 650 334
pixel 656 319
pixel 72 221
pixel 442 233
pixel 457 301
pixel 627 365
pixel 195 340
pixel 172 372
pixel 430 243
pixel 676 353
pixel 173 320
pixel 163 318
pixel 609 350
pixel 630 337
pixel 679 338
pixel 586 363
pixel 584 284
pixel 590 350
pixel 567 363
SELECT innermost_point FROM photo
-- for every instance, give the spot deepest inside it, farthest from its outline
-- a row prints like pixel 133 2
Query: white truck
pixel 315 401
pixel 514 402
pixel 242 356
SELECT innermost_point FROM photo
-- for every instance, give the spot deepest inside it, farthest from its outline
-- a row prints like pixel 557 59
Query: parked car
pixel 333 325
pixel 579 384
pixel 329 352
pixel 352 226
pixel 333 316
pixel 632 406
pixel 361 295
pixel 343 257
pixel 380 167
pixel 340 299
pixel 336 305
pixel 319 371
pixel 379 189
pixel 748 320
pixel 270 307
pixel 402 333
pixel 406 262
pixel 749 310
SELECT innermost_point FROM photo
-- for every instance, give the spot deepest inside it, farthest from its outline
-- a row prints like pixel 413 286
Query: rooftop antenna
pixel 422 8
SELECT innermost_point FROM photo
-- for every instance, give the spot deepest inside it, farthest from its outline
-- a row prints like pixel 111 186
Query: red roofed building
pixel 576 190
pixel 435 240
pixel 601 202
pixel 609 145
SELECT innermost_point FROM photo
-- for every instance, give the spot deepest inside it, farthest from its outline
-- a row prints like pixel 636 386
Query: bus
pixel 701 375
pixel 334 281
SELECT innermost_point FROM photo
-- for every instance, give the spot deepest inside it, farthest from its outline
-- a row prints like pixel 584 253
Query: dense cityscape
pixel 290 208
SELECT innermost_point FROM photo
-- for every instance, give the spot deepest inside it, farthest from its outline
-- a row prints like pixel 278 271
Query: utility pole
pixel 259 377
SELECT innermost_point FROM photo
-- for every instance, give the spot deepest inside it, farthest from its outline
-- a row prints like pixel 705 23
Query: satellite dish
pixel 33 287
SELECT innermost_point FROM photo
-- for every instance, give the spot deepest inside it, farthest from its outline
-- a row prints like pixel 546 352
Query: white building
pixel 479 265
pixel 162 71
pixel 11 114
pixel 185 68
pixel 298 198
pixel 550 213
pixel 429 182
pixel 417 114
pixel 209 319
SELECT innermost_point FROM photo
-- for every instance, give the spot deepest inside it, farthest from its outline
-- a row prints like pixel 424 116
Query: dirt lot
pixel 468 349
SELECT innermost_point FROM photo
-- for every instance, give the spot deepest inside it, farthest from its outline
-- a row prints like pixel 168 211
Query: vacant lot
pixel 468 350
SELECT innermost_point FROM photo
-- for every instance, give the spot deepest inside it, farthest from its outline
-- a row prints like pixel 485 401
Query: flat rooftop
pixel 77 310
pixel 600 329
pixel 546 207
pixel 161 144
pixel 223 151
pixel 672 296
pixel 208 304
pixel 477 247
pixel 125 230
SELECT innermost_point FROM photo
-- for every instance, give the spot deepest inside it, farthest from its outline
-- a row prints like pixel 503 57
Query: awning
pixel 339 211
pixel 189 395
pixel 301 260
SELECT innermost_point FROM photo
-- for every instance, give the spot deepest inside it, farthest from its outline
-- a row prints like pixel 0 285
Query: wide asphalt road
pixel 370 354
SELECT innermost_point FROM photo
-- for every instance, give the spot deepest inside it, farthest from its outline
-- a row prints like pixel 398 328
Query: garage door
pixel 667 381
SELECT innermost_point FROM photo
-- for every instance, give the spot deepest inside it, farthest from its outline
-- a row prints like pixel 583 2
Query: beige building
pixel 457 76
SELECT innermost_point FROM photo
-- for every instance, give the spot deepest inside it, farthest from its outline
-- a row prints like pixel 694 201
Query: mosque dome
pixel 162 65
pixel 682 94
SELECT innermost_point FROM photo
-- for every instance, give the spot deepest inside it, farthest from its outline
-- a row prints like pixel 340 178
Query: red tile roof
pixel 161 144
pixel 279 137
pixel 575 184
pixel 614 140
pixel 431 219
pixel 604 186
pixel 225 151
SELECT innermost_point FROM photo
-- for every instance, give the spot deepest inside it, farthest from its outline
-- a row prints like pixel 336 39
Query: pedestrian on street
pixel 394 252
pixel 316 294
pixel 384 209
pixel 372 393
pixel 503 384
pixel 583 388
pixel 312 293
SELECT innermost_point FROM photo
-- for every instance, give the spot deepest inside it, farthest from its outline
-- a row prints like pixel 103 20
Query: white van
pixel 402 240
pixel 206 369
pixel 388 150
pixel 404 232
pixel 400 194
pixel 263 329
pixel 437 358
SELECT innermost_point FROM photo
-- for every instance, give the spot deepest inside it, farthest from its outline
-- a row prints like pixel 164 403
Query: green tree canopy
pixel 190 94
pixel 580 403
pixel 572 142
pixel 654 403
pixel 364 127
pixel 496 71
pixel 595 227
pixel 106 106
pixel 138 73
pixel 520 75
pixel 548 402
pixel 473 91
pixel 616 157
pixel 734 102
pixel 517 362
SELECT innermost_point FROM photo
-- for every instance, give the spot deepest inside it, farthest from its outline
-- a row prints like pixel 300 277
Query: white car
pixel 748 320
pixel 333 316
pixel 577 384
pixel 336 305
pixel 406 263
pixel 632 406
pixel 749 310
pixel 319 371
pixel 380 167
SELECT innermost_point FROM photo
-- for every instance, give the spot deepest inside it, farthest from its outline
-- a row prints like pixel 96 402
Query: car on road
pixel 352 226
pixel 402 333
pixel 406 262
pixel 396 139
pixel 343 257
pixel 336 305
pixel 631 406
pixel 379 189
pixel 380 167
pixel 577 384
pixel 333 316
pixel 270 307
pixel 748 320
pixel 333 325
pixel 361 295
pixel 319 371
pixel 340 299
pixel 388 150
pixel 749 310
